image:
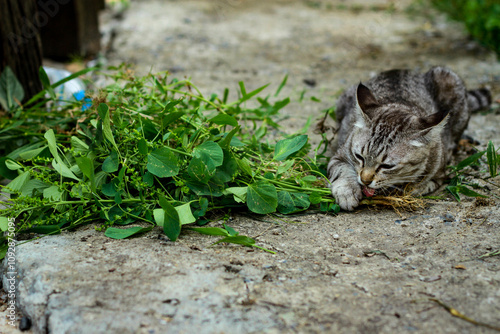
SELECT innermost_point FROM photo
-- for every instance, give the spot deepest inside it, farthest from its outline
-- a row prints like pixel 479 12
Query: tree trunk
pixel 72 28
pixel 20 45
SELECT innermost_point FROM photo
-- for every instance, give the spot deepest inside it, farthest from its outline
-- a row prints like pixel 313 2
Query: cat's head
pixel 390 144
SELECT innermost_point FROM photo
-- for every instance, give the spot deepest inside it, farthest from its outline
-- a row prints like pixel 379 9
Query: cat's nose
pixel 367 176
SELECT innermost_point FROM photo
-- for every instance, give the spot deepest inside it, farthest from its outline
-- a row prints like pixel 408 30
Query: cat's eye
pixel 360 158
pixel 385 166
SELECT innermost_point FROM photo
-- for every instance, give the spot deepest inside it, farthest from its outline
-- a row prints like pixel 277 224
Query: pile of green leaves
pixel 158 152
pixel 481 17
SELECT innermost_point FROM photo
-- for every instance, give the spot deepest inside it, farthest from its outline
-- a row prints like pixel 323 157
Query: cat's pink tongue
pixel 369 192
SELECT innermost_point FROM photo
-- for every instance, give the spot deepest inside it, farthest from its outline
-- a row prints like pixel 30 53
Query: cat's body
pixel 399 130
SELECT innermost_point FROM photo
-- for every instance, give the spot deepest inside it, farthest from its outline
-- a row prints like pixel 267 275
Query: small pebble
pixel 335 236
pixel 448 217
pixel 346 261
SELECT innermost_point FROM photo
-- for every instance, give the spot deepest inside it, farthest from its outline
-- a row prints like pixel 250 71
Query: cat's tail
pixel 478 99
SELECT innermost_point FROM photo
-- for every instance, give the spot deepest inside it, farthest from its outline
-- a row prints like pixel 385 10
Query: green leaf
pixel 162 163
pixel 470 160
pixel 142 146
pixel 14 155
pixel 118 197
pixel 46 83
pixel 261 132
pixel 242 240
pixel 292 202
pixel 52 193
pixel 203 203
pixel 103 111
pixel 204 189
pixel 237 239
pixel 170 118
pixel 185 214
pixel 121 173
pixel 210 153
pixel 235 142
pixel 44 229
pixel 10 90
pixel 285 167
pixel 262 197
pixel 171 223
pixel 246 96
pixel 159 85
pixel 4 224
pixel 228 137
pixel 282 84
pixel 315 198
pixel 12 165
pixel 5 172
pixel 199 170
pixel 206 158
pixel 454 191
pixel 100 179
pixel 32 185
pixel 149 179
pixel 87 167
pixel 224 119
pixel 468 192
pixel 111 163
pixel 329 207
pixel 242 88
pixel 244 165
pixel 239 193
pixel 18 183
pixel 229 168
pixel 109 189
pixel 122 233
pixel 159 216
pixel 286 147
pixel 210 230
pixel 78 145
pixel 309 179
pixel 51 140
pixel 28 155
pixel 491 154
pixel 230 230
pixel 62 169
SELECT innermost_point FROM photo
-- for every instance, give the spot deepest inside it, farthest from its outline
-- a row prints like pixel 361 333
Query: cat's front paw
pixel 426 188
pixel 347 194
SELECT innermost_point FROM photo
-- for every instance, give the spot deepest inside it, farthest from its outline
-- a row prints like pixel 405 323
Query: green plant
pixel 481 18
pixel 459 185
pixel 158 152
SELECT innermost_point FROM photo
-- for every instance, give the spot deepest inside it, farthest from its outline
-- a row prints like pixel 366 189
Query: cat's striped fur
pixel 398 129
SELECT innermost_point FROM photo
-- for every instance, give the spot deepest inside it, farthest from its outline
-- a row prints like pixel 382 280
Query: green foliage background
pixel 481 17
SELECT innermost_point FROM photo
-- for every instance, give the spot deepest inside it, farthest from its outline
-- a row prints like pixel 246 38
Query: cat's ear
pixel 432 127
pixel 365 99
pixel 365 102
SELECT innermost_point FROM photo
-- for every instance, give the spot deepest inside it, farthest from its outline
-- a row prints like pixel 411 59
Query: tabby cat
pixel 399 131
